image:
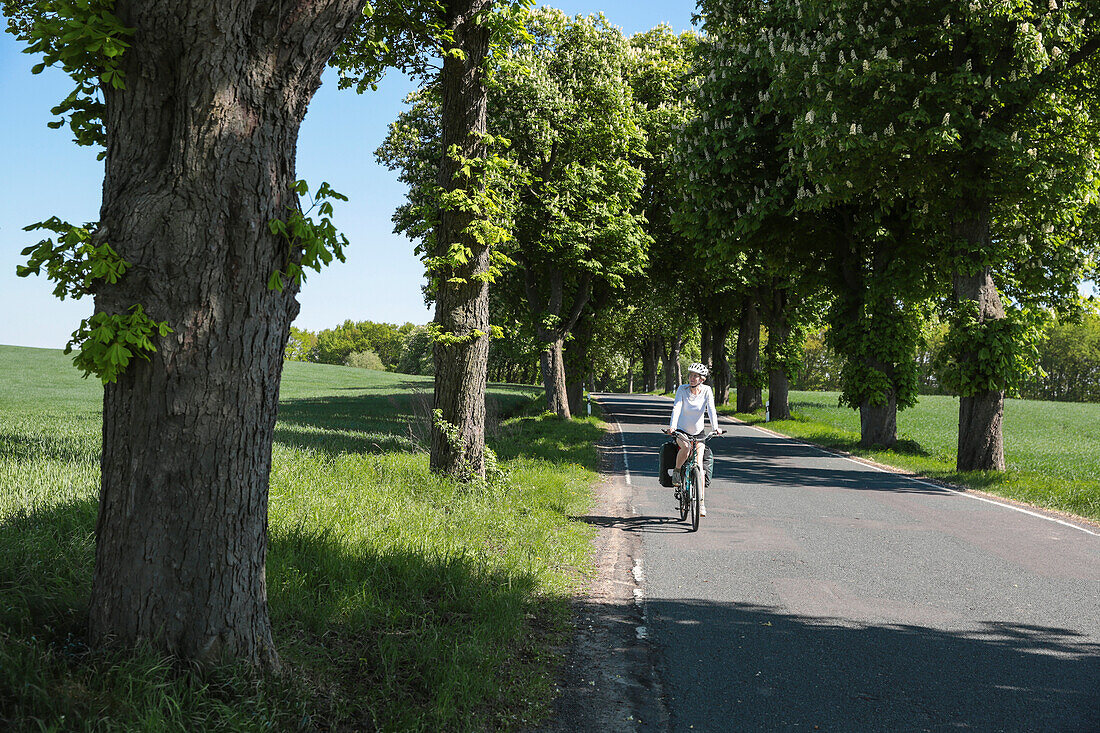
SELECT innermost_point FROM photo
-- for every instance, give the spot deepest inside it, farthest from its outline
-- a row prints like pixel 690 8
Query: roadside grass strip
pixel 399 600
pixel 1052 449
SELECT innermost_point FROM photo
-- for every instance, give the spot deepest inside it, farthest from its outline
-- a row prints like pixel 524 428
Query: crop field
pixel 1052 449
pixel 399 600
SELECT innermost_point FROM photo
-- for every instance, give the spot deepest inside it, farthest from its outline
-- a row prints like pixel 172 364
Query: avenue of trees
pixel 829 184
pixel 858 169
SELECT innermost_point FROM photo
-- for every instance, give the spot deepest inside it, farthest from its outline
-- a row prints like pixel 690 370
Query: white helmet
pixel 699 369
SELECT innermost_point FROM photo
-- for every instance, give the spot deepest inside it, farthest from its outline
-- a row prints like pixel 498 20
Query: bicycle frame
pixel 691 496
pixel 696 443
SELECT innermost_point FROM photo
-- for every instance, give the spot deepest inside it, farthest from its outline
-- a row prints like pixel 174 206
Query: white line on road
pixel 967 494
pixel 626 460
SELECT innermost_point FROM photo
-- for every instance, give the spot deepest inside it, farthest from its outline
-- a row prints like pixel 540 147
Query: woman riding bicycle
pixel 693 401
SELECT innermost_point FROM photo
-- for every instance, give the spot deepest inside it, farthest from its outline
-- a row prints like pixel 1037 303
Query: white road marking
pixel 622 442
pixel 927 483
pixel 626 459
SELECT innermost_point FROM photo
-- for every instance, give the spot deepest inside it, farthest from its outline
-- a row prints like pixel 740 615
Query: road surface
pixel 821 593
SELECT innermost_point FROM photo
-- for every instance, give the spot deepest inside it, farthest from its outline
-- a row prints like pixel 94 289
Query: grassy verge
pixel 400 601
pixel 1052 449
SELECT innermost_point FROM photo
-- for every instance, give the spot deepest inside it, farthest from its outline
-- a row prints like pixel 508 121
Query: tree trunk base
pixel 749 399
pixel 779 407
pixel 981 440
pixel 553 379
pixel 878 424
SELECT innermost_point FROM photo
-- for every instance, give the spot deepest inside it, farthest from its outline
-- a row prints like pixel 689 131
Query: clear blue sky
pixel 48 175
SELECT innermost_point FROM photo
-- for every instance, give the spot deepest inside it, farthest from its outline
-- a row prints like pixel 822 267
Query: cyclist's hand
pixel 667 431
pixel 719 431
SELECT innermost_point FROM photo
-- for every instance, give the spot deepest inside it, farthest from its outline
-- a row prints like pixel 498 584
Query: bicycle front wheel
pixel 685 497
pixel 697 481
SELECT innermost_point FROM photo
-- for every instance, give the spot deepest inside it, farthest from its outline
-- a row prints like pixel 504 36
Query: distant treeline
pixel 367 345
pixel 406 349
pixel 1068 352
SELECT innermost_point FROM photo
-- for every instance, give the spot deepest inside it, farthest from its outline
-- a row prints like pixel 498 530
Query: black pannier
pixel 668 460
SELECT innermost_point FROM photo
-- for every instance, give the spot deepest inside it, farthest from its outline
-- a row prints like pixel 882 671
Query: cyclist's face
pixel 695 379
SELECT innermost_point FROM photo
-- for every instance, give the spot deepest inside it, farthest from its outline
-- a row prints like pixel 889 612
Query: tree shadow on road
pixel 772 670
pixel 765 460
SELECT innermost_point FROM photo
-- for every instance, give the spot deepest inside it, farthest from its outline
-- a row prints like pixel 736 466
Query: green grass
pixel 400 601
pixel 1052 449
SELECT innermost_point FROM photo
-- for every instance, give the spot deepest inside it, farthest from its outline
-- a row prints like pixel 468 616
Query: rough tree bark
pixel 651 362
pixel 574 390
pixel 552 363
pixel 706 343
pixel 462 299
pixel 749 395
pixel 551 360
pixel 878 424
pixel 200 157
pixel 779 331
pixel 577 360
pixel 981 416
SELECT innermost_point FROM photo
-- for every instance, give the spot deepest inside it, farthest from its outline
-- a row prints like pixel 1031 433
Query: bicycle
pixel 687 490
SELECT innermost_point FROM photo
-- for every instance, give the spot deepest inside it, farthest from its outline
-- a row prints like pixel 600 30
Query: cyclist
pixel 693 401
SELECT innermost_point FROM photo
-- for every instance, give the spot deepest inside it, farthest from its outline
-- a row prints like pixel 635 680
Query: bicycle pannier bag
pixel 668 460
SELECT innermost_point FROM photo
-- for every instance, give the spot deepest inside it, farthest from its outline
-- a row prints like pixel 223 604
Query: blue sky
pixel 48 175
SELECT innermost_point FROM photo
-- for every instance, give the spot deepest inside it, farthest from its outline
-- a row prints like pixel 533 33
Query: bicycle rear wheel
pixel 696 482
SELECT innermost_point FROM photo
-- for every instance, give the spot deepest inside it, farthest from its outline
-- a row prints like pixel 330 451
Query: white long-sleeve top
pixel 688 409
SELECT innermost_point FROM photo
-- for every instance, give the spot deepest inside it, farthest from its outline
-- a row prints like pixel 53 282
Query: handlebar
pixel 702 439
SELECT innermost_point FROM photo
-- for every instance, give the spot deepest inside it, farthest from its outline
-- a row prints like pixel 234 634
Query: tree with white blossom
pixel 973 122
pixel 739 199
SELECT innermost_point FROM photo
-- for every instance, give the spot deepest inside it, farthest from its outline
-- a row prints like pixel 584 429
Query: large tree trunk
pixel 200 157
pixel 577 363
pixel 462 297
pixel 551 361
pixel 706 342
pixel 779 333
pixel 651 363
pixel 749 396
pixel 671 358
pixel 981 438
pixel 574 392
pixel 878 424
pixel 779 386
pixel 553 374
pixel 720 371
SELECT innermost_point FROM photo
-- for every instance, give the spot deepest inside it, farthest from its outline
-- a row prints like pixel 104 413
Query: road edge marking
pixel 970 494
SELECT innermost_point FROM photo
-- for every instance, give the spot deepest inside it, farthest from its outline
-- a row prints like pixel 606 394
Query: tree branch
pixel 578 304
pixel 1045 78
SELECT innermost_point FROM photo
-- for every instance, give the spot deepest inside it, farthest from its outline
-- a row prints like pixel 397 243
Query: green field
pixel 400 601
pixel 1052 449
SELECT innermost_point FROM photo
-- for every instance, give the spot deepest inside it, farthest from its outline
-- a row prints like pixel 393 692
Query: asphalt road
pixel 823 594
